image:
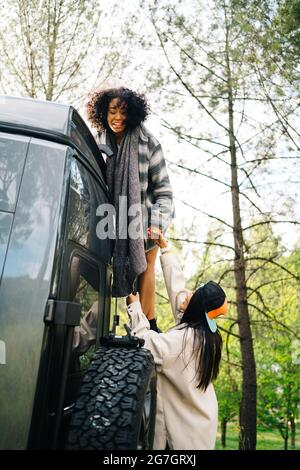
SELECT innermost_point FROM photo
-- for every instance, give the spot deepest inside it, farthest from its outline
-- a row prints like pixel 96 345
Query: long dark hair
pixel 207 346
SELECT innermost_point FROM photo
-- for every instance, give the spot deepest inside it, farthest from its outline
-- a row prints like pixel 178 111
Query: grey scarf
pixel 129 259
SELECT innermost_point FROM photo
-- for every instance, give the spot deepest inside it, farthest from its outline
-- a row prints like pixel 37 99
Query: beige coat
pixel 186 417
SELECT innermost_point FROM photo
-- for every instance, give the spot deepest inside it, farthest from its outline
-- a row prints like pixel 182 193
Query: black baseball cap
pixel 212 298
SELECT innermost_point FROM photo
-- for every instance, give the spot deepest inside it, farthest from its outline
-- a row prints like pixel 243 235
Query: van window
pixel 84 140
pixel 85 196
pixel 84 287
pixel 12 158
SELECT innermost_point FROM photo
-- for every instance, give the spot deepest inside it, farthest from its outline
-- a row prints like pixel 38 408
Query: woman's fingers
pixel 132 298
pixel 155 234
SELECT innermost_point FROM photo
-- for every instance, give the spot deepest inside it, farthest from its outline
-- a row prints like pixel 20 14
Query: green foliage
pixel 287 22
pixel 229 62
pixel 267 439
pixel 228 386
pixel 279 386
pixel 273 296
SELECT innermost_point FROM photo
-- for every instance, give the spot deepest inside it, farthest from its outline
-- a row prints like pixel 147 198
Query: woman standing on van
pixel 136 174
pixel 187 359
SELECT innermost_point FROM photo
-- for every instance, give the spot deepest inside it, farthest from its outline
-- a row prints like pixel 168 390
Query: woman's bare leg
pixel 147 285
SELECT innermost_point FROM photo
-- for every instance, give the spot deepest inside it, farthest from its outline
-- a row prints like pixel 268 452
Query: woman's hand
pixel 156 235
pixel 132 298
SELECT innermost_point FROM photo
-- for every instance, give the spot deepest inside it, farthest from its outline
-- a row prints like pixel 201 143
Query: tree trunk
pixel 247 438
pixel 286 436
pixel 293 432
pixel 223 432
pixel 53 23
pixel 26 29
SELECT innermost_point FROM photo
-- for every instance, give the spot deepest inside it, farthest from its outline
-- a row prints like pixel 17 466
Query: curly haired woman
pixel 136 174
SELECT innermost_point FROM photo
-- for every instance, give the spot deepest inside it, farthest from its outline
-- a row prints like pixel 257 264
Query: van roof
pixel 35 114
pixel 51 121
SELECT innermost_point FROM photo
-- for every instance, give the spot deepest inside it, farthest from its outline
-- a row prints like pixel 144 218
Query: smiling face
pixel 116 117
pixel 184 305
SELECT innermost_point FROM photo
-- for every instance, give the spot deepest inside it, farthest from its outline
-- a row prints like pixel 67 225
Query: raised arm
pixel 173 274
pixel 175 282
pixel 155 342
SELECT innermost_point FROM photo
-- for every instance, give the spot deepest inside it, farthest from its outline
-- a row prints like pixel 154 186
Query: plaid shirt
pixel 156 191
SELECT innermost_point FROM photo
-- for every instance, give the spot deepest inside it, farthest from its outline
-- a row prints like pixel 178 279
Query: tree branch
pixel 198 173
pixel 270 260
pixel 202 243
pixel 205 213
pixel 294 222
pixel 229 332
pixel 274 320
pixel 185 85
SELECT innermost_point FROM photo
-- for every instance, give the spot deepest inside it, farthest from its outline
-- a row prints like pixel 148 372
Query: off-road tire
pixel 116 405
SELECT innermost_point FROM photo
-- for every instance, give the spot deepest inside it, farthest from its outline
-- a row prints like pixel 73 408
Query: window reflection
pixel 84 289
pixel 83 138
pixel 85 196
pixel 12 158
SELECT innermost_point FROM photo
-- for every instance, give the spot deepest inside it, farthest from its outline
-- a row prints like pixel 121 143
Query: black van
pixel 53 271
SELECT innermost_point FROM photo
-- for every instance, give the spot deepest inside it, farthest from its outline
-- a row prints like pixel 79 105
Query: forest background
pixel 222 80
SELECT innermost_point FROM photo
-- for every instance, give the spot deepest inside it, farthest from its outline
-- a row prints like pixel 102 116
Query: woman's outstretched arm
pixel 173 274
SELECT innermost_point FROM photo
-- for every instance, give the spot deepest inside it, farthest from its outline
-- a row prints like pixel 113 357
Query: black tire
pixel 116 405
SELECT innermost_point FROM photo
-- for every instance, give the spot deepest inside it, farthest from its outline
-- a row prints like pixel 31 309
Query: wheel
pixel 116 405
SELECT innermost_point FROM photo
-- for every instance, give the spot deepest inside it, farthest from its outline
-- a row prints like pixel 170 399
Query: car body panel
pixel 25 286
pixel 52 180
pixel 54 122
pixel 6 221
pixel 47 115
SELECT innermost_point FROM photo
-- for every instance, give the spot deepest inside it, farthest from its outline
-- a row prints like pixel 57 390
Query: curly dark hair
pixel 136 104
